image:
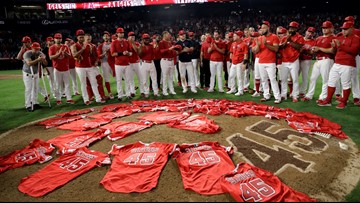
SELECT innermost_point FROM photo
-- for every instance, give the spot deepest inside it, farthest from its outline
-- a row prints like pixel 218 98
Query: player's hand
pixel 243 67
pixel 315 49
pixel 336 43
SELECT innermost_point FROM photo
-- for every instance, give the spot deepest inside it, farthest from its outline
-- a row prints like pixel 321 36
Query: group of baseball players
pixel 275 61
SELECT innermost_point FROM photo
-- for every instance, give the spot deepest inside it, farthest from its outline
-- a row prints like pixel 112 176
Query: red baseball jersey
pixel 324 42
pixel 134 58
pixel 164 117
pixel 69 142
pixel 305 50
pixel 238 50
pixel 164 49
pixel 215 55
pixel 348 50
pixel 75 112
pixel 202 165
pixel 289 53
pixel 204 49
pixel 248 183
pixel 120 129
pixel 196 123
pixel 56 121
pixel 136 167
pixel 119 46
pixel 37 151
pixel 148 52
pixel 61 171
pixel 61 63
pixel 83 124
pixel 84 59
pixel 265 54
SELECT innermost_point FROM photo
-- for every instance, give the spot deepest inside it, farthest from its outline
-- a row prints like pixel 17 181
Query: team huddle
pixel 275 62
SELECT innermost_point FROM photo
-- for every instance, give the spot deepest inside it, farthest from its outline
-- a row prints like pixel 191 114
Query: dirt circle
pixel 314 165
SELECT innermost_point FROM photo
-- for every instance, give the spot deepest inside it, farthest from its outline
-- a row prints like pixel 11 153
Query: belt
pixel 321 58
pixel 146 61
pixel 168 59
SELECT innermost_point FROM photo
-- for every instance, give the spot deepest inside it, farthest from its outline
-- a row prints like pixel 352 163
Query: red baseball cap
pixel 58 36
pixel 294 24
pixel 48 39
pixel 182 32
pixel 80 32
pixel 266 23
pixel 191 34
pixel 311 29
pixel 230 34
pixel 106 33
pixel 327 24
pixel 26 39
pixel 145 36
pixel 350 18
pixel 35 45
pixel 120 30
pixel 131 34
pixel 347 25
pixel 239 33
pixel 68 39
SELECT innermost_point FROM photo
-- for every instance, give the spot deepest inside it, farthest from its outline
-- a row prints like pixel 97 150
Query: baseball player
pixel 167 63
pixel 266 46
pixel 347 47
pixel 49 68
pixel 291 45
pixel 103 51
pixel 323 63
pixel 81 52
pixel 121 50
pixel 217 51
pixel 69 42
pixel 256 72
pixel 248 41
pixel 239 60
pixel 227 63
pixel 354 75
pixel 195 56
pixel 157 60
pixel 205 63
pixel 147 53
pixel 185 62
pixel 59 54
pixel 306 59
pixel 134 65
pixel 30 70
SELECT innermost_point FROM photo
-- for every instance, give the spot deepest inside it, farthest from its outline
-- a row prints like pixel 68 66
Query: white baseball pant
pixel 321 67
pixel 304 71
pixel 268 71
pixel 62 80
pixel 183 68
pixel 146 70
pixel 122 72
pixel 293 69
pixel 89 72
pixel 167 74
pixel 216 69
pixel 196 74
pixel 74 80
pixel 135 70
pixel 31 92
pixel 236 72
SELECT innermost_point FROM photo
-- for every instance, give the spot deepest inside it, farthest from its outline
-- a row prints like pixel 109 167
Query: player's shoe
pixel 342 105
pixel 305 99
pixel 324 103
pixel 256 94
pixel 58 102
pixel 231 91
pixel 264 99
pixel 193 91
pixel 295 100
pixel 173 92
pixel 277 101
pixel 70 101
pixel 210 90
pixel 111 96
pixel 87 103
pixel 239 93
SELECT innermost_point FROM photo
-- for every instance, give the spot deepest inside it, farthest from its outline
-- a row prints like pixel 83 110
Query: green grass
pixel 13 114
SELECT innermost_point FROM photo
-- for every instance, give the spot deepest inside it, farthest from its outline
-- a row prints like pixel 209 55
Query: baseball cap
pixel 80 32
pixel 106 33
pixel 35 45
pixel 311 29
pixel 230 34
pixel 145 36
pixel 239 33
pixel 327 24
pixel 68 39
pixel 182 32
pixel 58 36
pixel 350 18
pixel 131 34
pixel 266 23
pixel 191 34
pixel 48 39
pixel 120 30
pixel 347 25
pixel 294 24
pixel 26 39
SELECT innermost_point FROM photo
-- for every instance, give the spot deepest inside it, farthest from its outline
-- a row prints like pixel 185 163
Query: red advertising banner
pixel 119 4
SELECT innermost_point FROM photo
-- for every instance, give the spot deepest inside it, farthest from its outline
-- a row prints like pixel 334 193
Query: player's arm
pixel 221 50
pixel 53 55
pixel 256 48
pixel 75 52
pixel 273 47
